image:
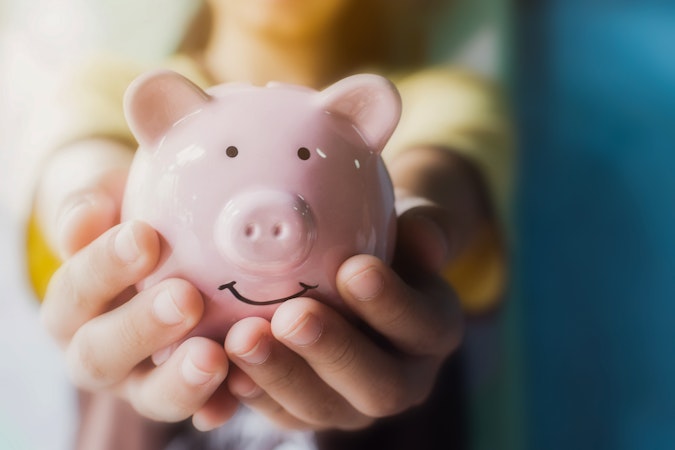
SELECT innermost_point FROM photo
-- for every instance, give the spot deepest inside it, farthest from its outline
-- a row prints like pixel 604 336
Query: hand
pixel 312 368
pixel 107 329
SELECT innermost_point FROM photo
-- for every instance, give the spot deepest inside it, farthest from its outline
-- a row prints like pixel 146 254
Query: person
pixel 308 368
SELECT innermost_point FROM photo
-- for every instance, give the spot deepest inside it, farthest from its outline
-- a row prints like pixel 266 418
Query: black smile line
pixel 238 296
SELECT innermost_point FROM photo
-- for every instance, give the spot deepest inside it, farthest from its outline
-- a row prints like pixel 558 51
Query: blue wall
pixel 596 222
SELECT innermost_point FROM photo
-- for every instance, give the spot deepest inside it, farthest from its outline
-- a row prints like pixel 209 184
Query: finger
pixel 426 321
pixel 98 167
pixel 374 381
pixel 284 376
pixel 182 385
pixel 87 283
pixel 250 394
pixel 84 217
pixel 443 186
pixel 217 410
pixel 105 349
pixel 425 239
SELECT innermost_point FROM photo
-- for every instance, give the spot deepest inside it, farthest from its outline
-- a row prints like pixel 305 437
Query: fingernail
pixel 304 331
pixel 162 356
pixel 258 354
pixel 201 423
pixel 80 204
pixel 69 216
pixel 193 374
pixel 126 247
pixel 248 390
pixel 366 285
pixel 441 251
pixel 254 392
pixel 166 310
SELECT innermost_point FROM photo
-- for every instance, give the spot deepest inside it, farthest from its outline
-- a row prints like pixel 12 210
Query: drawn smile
pixel 238 296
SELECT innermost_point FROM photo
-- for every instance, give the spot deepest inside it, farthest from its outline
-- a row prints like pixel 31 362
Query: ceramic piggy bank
pixel 260 193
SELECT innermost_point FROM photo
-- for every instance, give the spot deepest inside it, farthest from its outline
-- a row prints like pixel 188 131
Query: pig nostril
pixel 250 231
pixel 278 231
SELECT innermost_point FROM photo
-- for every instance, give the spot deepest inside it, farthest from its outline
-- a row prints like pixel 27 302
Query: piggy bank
pixel 259 194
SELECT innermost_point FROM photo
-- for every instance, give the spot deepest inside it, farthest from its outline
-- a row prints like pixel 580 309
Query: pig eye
pixel 232 151
pixel 303 153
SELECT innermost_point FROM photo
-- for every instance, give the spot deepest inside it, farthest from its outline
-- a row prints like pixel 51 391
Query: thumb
pixel 80 192
pixel 425 237
pixel 83 217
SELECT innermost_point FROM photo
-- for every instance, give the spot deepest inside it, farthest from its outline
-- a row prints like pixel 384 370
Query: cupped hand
pixel 312 368
pixel 109 330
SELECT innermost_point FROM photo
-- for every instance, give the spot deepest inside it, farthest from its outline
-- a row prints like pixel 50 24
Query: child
pixel 307 369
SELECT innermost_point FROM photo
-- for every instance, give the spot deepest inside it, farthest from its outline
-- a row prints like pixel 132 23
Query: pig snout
pixel 265 230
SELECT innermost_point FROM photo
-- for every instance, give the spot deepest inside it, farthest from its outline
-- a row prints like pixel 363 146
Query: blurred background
pixel 587 338
pixel 595 89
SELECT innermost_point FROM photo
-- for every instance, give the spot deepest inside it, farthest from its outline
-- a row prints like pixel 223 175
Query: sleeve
pixel 82 102
pixel 456 110
pixel 92 102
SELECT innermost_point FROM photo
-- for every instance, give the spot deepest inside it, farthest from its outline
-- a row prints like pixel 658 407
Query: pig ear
pixel 370 102
pixel 155 101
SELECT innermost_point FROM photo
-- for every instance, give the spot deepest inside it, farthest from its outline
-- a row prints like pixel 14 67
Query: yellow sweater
pixel 441 107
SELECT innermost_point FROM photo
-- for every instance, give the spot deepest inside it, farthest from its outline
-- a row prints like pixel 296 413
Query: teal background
pixel 595 290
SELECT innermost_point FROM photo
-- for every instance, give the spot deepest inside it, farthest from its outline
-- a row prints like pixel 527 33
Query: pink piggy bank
pixel 260 193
